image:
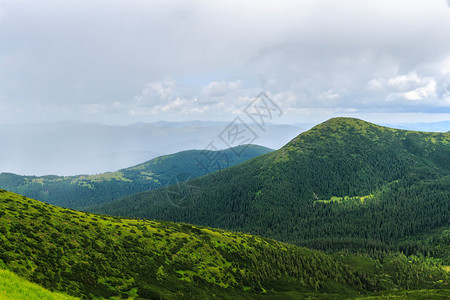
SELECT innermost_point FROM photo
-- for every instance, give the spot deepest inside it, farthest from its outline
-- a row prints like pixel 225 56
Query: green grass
pixel 416 294
pixel 12 287
pixel 346 199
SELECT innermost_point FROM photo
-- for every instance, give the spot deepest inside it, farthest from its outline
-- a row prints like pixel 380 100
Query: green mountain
pixel 98 257
pixel 94 256
pixel 346 184
pixel 82 191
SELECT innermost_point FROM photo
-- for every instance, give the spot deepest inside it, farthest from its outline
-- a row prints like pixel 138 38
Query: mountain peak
pixel 334 132
pixel 345 122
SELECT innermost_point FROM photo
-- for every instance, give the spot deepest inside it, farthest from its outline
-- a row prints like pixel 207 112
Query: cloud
pixel 427 85
pixel 219 89
pixel 329 95
pixel 156 90
pixel 147 60
pixel 218 98
pixel 374 85
pixel 444 67
pixel 405 82
pixel 164 89
pixel 427 92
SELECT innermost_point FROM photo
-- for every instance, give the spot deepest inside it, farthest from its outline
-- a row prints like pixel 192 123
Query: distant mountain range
pixel 442 126
pixel 82 191
pixel 72 148
pixel 345 184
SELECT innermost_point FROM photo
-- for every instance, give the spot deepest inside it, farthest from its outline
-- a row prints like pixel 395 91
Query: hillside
pixel 12 287
pixel 80 192
pixel 97 256
pixel 346 184
pixel 94 257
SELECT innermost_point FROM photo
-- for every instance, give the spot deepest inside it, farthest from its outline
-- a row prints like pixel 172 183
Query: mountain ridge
pixel 86 190
pixel 373 170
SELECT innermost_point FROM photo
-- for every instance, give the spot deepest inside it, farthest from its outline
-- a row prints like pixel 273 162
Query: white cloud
pixel 445 66
pixel 156 90
pixel 375 85
pixel 202 58
pixel 164 89
pixel 176 104
pixel 329 95
pixel 284 99
pixel 426 92
pixel 406 82
pixel 220 88
pixel 425 86
pixel 426 95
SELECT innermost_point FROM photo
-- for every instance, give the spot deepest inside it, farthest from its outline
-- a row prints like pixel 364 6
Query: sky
pixel 121 62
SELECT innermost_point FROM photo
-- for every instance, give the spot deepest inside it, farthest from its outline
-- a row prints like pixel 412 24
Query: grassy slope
pixel 393 184
pixel 85 190
pixel 95 256
pixel 12 287
pixel 424 294
pixel 98 256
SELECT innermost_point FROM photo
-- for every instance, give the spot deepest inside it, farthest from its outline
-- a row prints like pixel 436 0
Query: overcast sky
pixel 120 62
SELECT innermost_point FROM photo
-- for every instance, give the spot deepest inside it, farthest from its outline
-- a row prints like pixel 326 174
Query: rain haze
pixel 118 63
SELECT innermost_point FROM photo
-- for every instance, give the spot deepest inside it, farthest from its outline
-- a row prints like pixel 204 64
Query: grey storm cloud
pixel 126 61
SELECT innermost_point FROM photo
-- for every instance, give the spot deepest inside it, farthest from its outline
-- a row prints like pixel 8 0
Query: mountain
pixel 83 191
pixel 97 257
pixel 346 184
pixel 72 148
pixel 93 256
